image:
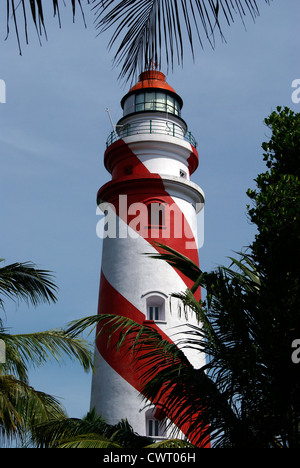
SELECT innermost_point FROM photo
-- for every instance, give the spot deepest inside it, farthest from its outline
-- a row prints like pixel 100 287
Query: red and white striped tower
pixel 149 199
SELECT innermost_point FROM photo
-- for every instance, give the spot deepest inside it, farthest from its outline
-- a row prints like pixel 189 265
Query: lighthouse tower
pixel 150 199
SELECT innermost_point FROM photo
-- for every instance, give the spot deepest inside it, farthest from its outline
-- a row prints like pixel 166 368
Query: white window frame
pixel 155 306
pixel 154 428
pixel 154 313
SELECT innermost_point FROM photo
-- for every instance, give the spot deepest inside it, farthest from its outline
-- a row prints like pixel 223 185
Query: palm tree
pixel 21 406
pixel 93 432
pixel 143 29
pixel 236 399
pixel 24 281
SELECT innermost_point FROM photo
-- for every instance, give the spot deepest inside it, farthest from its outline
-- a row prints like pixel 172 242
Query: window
pixel 156 214
pixel 155 306
pixel 151 101
pixel 161 100
pixel 154 312
pixel 170 105
pixel 140 102
pixel 155 426
pixel 176 107
pixel 129 105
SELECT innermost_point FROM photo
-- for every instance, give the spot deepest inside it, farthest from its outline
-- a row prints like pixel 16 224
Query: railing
pixel 146 127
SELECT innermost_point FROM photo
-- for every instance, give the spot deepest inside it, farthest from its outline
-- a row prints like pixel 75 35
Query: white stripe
pixel 132 273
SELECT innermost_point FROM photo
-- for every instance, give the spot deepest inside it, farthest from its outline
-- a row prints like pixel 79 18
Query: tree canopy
pixel 23 408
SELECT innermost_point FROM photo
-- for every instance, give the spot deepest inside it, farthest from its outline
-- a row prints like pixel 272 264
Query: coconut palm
pixel 237 399
pixel 21 406
pixel 142 30
pixel 23 281
pixel 92 431
pixel 203 404
pixel 155 31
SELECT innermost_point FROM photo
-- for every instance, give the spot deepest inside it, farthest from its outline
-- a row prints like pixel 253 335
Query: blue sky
pixel 53 129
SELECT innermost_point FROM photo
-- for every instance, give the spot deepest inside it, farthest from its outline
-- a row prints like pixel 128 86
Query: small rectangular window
pixel 161 102
pixel 129 105
pixel 154 313
pixel 150 101
pixel 156 428
pixel 177 108
pixel 140 102
pixel 170 104
pixel 153 428
pixel 150 427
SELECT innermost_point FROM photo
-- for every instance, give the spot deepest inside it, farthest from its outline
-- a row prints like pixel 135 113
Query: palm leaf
pixel 17 8
pixel 206 400
pixel 22 407
pixel 90 441
pixel 165 370
pixel 36 349
pixel 249 276
pixel 145 31
pixel 170 443
pixel 23 281
pixel 142 29
pixel 90 432
pixel 178 261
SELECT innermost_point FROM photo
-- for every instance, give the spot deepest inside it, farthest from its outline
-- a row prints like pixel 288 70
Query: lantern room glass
pixel 151 101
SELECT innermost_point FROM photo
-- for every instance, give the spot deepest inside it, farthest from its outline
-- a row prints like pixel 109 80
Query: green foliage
pixel 23 281
pixel 93 432
pixel 22 408
pixel 276 210
pixel 276 249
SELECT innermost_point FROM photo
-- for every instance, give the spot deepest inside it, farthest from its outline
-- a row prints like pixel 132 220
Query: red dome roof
pixel 152 79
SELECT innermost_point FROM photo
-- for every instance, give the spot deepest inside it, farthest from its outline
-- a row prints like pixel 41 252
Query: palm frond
pixel 163 369
pixel 170 443
pixel 145 31
pixel 22 407
pixel 81 325
pixel 89 432
pixel 142 29
pixel 248 277
pixel 17 12
pixel 35 349
pixel 23 281
pixel 89 441
pixel 178 261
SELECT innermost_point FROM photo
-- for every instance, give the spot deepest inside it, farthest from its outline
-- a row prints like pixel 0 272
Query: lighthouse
pixel 150 200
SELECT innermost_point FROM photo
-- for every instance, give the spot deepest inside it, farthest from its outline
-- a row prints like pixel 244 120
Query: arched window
pixel 155 425
pixel 156 213
pixel 155 306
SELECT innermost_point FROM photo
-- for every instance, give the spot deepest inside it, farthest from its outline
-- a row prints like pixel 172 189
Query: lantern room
pixel 152 93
